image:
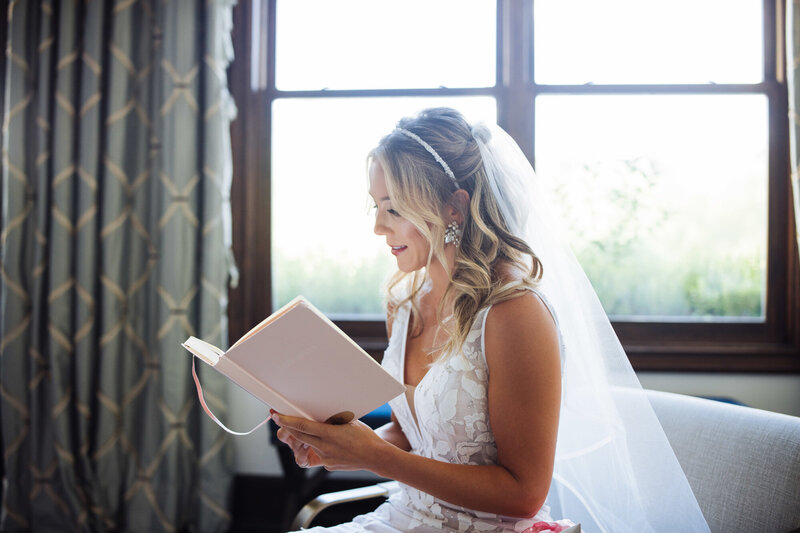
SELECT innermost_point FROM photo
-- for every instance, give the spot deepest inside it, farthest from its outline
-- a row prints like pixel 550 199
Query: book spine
pixel 258 388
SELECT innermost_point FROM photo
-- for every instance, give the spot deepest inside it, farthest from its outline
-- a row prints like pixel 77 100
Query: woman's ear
pixel 459 205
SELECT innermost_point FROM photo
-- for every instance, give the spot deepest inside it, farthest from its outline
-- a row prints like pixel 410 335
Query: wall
pixel 255 454
pixel 779 393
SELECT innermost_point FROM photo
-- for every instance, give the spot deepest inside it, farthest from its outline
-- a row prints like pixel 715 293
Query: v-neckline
pixel 411 399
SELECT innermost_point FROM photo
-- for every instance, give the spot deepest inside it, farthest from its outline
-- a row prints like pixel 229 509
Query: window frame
pixel 771 346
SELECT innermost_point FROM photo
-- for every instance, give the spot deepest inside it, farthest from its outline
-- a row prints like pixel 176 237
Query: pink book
pixel 300 363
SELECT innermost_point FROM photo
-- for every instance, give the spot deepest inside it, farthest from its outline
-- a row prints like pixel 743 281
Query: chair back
pixel 742 463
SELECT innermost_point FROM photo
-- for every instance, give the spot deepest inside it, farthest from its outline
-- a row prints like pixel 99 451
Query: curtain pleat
pixel 114 247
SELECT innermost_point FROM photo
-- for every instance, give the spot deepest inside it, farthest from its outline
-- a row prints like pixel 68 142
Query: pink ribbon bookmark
pixel 208 411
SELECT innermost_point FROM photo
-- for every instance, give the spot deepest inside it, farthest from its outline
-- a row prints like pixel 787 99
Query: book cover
pixel 300 363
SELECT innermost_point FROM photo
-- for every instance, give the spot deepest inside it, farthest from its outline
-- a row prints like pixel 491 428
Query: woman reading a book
pixel 521 412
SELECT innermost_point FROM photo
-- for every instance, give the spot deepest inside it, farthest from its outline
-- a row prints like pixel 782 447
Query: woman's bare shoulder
pixel 521 327
pixel 526 307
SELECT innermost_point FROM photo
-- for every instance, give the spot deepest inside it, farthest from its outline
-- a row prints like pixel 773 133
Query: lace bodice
pixel 450 401
pixel 452 424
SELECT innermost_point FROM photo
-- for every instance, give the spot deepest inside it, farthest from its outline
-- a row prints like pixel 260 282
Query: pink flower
pixel 549 527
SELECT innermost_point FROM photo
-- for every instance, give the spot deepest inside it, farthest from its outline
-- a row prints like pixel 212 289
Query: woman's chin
pixel 403 266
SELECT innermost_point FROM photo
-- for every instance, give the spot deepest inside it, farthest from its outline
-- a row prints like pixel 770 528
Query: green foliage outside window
pixel 622 231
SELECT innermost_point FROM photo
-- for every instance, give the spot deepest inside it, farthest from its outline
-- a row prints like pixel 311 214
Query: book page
pixel 207 352
pixel 308 360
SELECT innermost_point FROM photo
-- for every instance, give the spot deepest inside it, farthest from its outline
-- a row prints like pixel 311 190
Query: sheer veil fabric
pixel 615 470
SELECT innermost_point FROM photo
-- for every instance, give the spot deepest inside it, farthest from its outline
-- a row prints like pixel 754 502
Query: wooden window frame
pixel 772 346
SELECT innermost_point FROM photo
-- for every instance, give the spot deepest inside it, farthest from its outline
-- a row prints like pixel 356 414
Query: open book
pixel 299 363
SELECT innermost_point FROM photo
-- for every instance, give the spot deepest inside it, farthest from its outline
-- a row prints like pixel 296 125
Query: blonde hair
pixel 421 191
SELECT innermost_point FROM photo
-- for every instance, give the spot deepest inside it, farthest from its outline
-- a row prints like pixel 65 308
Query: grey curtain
pixel 114 247
pixel 793 78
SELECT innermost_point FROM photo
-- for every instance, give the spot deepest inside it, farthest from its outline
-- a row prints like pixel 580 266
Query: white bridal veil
pixel 615 471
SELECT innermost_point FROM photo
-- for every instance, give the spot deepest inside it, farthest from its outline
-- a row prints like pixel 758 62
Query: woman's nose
pixel 379 228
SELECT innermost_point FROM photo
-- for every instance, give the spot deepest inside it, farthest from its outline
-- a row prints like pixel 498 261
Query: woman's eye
pixel 375 210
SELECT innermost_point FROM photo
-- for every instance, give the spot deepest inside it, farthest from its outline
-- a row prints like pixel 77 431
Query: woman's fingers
pixel 302 452
pixel 346 447
pixel 306 431
pixel 300 425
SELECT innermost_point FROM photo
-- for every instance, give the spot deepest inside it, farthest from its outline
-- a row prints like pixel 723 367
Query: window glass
pixel 369 44
pixel 323 245
pixel 664 199
pixel 648 42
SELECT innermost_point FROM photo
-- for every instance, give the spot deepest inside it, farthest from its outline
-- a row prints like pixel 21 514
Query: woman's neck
pixel 439 280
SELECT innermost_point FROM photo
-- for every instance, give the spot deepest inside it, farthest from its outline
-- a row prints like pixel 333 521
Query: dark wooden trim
pixel 236 300
pixel 383 93
pixel 710 88
pixel 515 102
pixel 781 360
pixel 770 29
pixel 780 188
pixel 686 356
pixel 250 302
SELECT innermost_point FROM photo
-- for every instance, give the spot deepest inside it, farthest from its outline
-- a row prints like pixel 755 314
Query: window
pixel 660 129
pixel 664 188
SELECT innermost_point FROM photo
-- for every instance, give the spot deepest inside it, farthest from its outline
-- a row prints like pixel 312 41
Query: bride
pixel 522 412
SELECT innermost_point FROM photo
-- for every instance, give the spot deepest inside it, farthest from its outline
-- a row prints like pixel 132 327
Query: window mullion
pixel 771 33
pixel 515 102
pixel 271 33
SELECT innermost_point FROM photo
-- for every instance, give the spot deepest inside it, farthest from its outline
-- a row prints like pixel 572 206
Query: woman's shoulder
pixel 528 306
pixel 526 301
pixel 521 327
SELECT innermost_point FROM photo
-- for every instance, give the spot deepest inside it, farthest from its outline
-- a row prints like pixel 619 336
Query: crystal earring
pixel 453 234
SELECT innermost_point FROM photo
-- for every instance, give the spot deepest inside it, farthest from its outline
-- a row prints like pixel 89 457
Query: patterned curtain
pixel 114 247
pixel 793 79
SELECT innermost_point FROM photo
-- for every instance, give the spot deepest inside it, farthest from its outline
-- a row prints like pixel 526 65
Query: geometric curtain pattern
pixel 114 247
pixel 793 81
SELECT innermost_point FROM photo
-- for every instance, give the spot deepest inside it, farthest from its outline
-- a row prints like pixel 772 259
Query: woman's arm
pixel 524 400
pixel 392 433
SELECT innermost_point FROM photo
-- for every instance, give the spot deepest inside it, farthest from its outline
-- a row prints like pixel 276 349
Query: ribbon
pixel 208 411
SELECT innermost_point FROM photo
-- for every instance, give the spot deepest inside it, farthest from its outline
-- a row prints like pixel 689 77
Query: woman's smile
pixel 407 244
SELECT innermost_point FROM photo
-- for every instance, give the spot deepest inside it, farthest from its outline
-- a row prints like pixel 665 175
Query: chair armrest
pixel 309 511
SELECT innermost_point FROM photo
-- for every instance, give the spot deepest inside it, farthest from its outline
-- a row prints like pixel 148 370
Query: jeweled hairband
pixel 430 150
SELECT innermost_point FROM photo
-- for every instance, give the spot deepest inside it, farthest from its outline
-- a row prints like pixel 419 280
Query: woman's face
pixel 408 245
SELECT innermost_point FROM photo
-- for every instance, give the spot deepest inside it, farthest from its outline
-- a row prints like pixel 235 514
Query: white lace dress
pixel 452 425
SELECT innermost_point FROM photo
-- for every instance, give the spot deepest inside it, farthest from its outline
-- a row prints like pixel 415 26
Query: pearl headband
pixel 430 150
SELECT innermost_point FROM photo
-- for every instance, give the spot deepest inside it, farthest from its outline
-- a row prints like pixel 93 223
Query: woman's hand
pixel 352 446
pixel 304 455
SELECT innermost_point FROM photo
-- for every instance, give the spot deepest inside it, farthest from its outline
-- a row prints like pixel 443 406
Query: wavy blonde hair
pixel 421 191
